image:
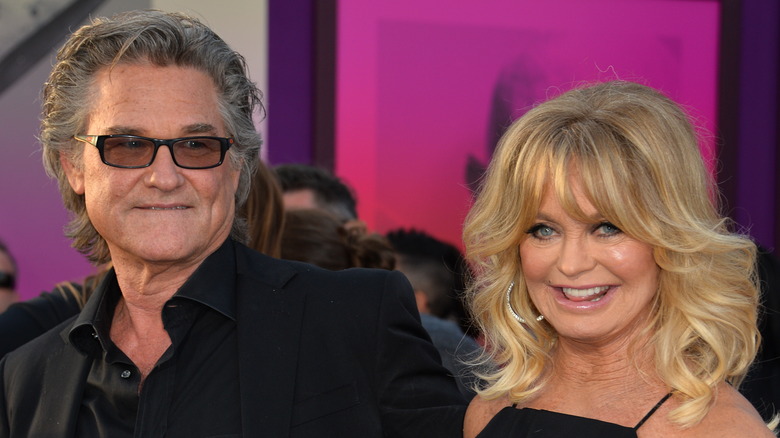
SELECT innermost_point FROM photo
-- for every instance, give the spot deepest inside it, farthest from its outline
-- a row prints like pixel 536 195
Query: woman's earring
pixel 511 310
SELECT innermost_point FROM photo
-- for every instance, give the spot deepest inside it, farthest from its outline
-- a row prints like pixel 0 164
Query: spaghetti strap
pixel 652 411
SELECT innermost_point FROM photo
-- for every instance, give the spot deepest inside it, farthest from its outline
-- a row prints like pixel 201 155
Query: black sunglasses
pixel 7 280
pixel 133 152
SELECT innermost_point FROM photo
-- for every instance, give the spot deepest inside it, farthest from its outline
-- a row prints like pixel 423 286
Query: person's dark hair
pixel 434 266
pixel 264 212
pixel 138 37
pixel 331 193
pixel 318 237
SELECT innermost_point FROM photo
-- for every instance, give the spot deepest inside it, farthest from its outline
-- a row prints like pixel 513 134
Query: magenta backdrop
pixel 415 83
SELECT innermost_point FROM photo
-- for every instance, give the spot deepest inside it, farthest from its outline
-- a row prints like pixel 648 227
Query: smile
pixel 178 207
pixel 590 294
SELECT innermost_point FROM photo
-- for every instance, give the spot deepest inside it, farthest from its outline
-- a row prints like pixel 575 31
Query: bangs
pixel 611 172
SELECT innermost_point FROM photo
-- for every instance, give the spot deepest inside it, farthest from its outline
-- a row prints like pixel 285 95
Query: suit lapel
pixel 269 326
pixel 66 374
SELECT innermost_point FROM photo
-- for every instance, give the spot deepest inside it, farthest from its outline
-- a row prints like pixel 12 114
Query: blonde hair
pixel 637 155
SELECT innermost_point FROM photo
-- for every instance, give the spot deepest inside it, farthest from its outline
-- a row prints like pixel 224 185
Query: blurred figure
pixel 26 320
pixel 762 383
pixel 264 212
pixel 434 268
pixel 315 236
pixel 305 186
pixel 8 272
pixel 444 301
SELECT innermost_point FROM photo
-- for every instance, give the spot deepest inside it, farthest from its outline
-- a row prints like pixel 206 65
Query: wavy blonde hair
pixel 640 165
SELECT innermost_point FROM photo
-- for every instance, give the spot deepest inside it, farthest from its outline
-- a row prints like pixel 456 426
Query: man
pixel 305 186
pixel 191 333
pixel 434 268
pixel 8 293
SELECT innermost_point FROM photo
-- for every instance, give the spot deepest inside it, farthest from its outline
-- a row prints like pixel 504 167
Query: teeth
pixel 178 207
pixel 582 293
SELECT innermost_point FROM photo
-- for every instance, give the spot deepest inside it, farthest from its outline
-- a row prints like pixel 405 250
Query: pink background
pixel 415 82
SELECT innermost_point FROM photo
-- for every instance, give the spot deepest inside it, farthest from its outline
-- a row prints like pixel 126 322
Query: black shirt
pixel 193 390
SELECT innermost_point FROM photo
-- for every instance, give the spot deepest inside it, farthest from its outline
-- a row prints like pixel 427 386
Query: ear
pixel 74 173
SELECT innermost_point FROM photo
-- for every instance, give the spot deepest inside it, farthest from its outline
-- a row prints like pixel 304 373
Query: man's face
pixel 299 199
pixel 161 214
pixel 7 295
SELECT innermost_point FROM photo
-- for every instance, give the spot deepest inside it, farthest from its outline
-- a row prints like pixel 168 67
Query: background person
pixel 305 186
pixel 8 270
pixel 315 236
pixel 264 212
pixel 613 298
pixel 762 384
pixel 434 268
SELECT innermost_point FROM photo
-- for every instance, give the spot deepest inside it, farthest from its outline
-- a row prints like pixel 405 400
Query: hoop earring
pixel 511 310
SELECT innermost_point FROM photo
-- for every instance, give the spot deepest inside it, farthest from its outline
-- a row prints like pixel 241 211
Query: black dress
pixel 515 423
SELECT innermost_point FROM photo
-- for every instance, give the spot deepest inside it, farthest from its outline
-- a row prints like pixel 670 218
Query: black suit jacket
pixel 321 353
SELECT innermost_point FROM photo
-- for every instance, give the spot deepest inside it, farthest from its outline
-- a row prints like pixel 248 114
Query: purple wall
pixel 290 81
pixel 756 203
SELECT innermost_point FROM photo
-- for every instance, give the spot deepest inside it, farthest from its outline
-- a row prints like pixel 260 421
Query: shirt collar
pixel 212 285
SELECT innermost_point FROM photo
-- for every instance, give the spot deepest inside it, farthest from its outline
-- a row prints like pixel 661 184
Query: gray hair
pixel 148 36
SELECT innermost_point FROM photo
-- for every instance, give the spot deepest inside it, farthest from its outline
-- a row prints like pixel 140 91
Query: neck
pixel 602 374
pixel 147 286
pixel 137 326
pixel 607 364
pixel 614 383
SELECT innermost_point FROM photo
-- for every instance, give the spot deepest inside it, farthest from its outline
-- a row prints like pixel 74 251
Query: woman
pixel 264 212
pixel 318 237
pixel 613 298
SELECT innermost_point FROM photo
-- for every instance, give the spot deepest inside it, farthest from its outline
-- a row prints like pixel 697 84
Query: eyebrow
pixel 597 217
pixel 200 128
pixel 195 128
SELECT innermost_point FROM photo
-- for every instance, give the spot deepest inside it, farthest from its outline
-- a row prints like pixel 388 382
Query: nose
pixel 575 256
pixel 163 173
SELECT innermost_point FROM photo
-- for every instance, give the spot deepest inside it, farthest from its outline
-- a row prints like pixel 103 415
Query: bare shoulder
pixel 479 414
pixel 732 415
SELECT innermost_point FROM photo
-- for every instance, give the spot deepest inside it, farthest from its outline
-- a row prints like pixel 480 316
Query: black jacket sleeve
pixel 26 320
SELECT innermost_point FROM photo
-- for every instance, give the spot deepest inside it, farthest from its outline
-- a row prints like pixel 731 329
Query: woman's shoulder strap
pixel 652 411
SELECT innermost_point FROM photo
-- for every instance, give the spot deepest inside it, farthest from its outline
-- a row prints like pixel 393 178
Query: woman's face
pixel 593 283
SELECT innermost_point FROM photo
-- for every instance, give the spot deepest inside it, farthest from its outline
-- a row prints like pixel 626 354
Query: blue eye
pixel 541 231
pixel 607 228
